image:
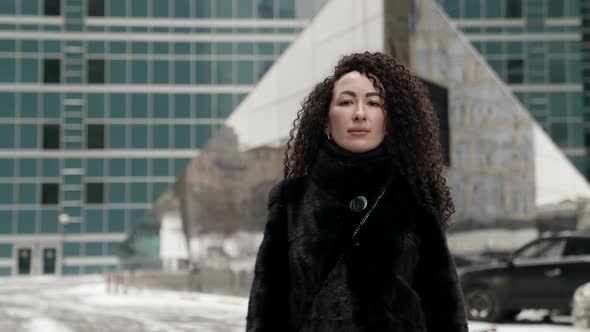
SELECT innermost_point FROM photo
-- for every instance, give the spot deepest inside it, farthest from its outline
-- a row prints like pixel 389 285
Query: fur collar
pixel 345 175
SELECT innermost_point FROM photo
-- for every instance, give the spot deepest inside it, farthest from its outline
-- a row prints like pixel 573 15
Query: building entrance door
pixel 49 260
pixel 24 261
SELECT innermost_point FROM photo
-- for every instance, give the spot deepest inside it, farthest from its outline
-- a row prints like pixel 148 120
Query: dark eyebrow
pixel 369 94
pixel 350 93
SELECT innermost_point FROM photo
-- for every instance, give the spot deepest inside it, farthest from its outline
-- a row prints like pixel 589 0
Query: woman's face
pixel 356 119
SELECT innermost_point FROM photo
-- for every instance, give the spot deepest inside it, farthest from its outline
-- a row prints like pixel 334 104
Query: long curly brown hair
pixel 411 124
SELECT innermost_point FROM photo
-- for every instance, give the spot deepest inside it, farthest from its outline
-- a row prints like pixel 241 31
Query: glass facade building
pixel 534 46
pixel 104 102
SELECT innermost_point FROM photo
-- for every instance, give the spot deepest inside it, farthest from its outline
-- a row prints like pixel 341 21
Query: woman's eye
pixel 345 103
pixel 374 104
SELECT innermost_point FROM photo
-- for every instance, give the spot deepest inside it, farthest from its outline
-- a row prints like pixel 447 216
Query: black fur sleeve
pixel 436 280
pixel 268 304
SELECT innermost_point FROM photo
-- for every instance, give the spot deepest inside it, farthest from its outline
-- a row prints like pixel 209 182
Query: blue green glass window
pixel 117 167
pixel 139 167
pixel 117 136
pixel 112 248
pixel 224 105
pixel 203 106
pixel 160 8
pixel 245 48
pixel 27 193
pixel 555 8
pixel 117 193
pixel 515 71
pixel 181 8
pixel 138 8
pixel 51 46
pixel 5 222
pixel 25 222
pixel 118 47
pixel 71 249
pixel 203 72
pixel 245 72
pixel 117 71
pixel 95 105
pixel 263 67
pixel 223 8
pixel 139 47
pixel 49 221
pixel 29 136
pixel 28 167
pixel 6 194
pixel 6 167
pixel 6 136
pixel 7 100
pixel 161 137
pixel 139 192
pixel 557 71
pixel 559 133
pixel 117 8
pixel 182 48
pixel 116 221
pixel 8 7
pixel 29 7
pixel 182 136
pixel 7 70
pixel 180 164
pixel 117 108
pixel 161 72
pixel 160 167
pixel 575 71
pixel 50 167
pixel 224 72
pixel 139 107
pixel 93 221
pixel 31 46
pixel 93 249
pixel 7 45
pixel 202 134
pixel 182 72
pixel 161 47
pixel 265 48
pixel 29 70
pixel 139 136
pixel 95 47
pixel 558 104
pixel 245 9
pixel 160 106
pixel 28 105
pixel 95 167
pixel 51 105
pixel 286 9
pixel 5 250
pixel 203 8
pixel 203 48
pixel 223 48
pixel 139 71
pixel 182 107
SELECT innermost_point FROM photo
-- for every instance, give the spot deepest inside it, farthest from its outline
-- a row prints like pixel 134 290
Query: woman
pixel 355 234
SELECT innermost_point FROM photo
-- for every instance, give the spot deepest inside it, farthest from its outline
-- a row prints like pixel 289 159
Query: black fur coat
pixel 311 275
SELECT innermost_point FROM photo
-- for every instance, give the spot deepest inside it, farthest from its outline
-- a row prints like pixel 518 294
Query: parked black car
pixel 542 274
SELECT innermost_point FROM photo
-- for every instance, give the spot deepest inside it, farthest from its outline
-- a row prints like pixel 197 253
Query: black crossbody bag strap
pixel 358 227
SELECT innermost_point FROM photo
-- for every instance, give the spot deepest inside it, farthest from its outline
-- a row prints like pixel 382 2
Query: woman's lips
pixel 358 132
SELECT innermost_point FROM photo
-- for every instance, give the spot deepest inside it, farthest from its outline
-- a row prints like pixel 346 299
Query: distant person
pixel 355 238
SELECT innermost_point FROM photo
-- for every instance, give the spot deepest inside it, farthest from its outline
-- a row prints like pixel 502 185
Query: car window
pixel 550 248
pixel 577 247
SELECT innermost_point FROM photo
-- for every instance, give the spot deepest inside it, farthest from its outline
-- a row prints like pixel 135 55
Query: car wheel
pixel 481 304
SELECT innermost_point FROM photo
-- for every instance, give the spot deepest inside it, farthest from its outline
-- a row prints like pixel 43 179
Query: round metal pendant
pixel 358 204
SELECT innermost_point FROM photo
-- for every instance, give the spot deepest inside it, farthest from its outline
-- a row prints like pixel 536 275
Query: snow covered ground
pixel 81 304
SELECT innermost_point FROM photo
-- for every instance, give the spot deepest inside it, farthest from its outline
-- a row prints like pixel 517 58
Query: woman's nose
pixel 360 113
